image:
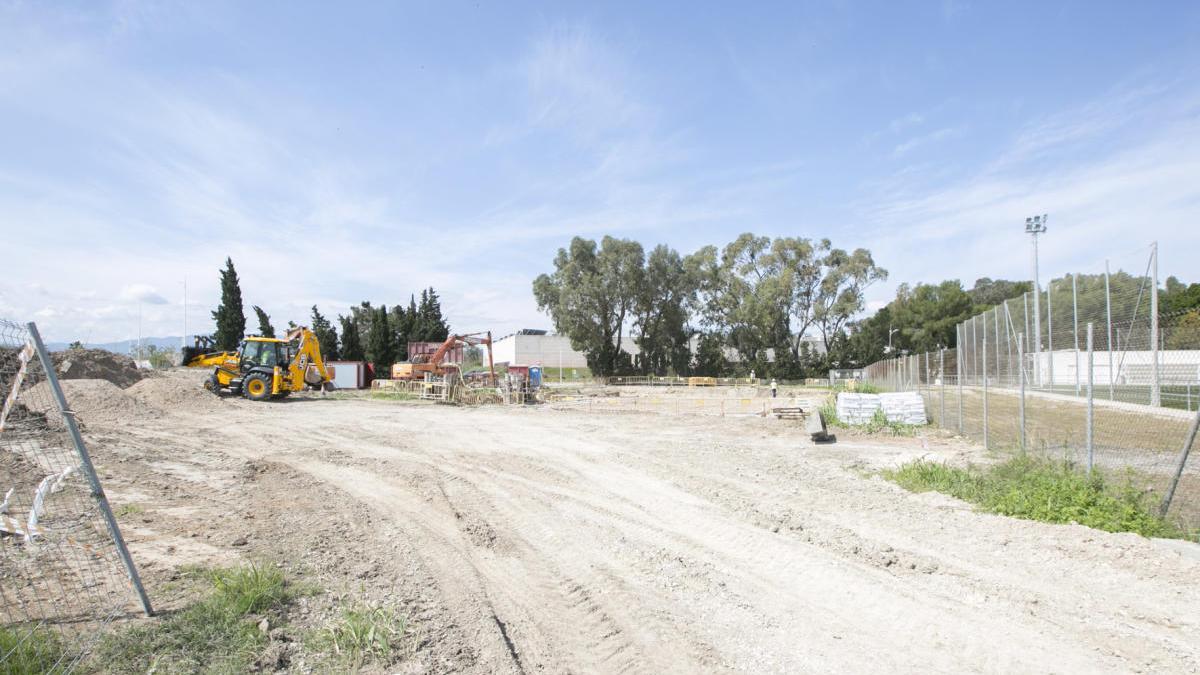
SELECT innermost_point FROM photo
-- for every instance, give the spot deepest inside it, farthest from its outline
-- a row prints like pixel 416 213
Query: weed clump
pixel 360 635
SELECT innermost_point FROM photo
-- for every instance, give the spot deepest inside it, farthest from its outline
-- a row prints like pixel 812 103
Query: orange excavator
pixel 417 366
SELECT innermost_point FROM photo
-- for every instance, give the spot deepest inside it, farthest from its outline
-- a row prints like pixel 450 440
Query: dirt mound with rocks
pixel 181 389
pixel 96 364
pixel 94 402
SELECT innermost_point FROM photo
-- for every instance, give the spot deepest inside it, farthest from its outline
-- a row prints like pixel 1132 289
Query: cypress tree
pixel 231 322
pixel 381 343
pixel 352 349
pixel 326 334
pixel 436 328
pixel 265 328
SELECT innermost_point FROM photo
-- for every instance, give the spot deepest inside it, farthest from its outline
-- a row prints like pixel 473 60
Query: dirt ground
pixel 525 540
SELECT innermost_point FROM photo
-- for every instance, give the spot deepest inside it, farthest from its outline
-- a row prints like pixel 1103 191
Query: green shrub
pixel 1044 490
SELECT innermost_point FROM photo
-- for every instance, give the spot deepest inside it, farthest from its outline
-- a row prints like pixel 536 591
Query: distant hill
pixel 125 346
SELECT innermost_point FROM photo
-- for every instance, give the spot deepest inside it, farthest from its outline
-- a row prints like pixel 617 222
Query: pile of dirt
pixel 94 402
pixel 96 364
pixel 175 390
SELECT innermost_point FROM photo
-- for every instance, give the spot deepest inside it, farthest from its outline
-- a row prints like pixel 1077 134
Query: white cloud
pixel 1136 183
pixel 142 293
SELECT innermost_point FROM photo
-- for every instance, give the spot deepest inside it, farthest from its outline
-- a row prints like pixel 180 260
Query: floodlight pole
pixel 1034 226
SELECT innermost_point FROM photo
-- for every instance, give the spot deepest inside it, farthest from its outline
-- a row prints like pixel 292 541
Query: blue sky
pixel 364 151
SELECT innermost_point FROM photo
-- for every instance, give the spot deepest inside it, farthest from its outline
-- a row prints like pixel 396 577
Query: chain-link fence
pixel 1108 382
pixel 64 570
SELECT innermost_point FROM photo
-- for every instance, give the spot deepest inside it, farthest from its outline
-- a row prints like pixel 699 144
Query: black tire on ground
pixel 213 385
pixel 257 386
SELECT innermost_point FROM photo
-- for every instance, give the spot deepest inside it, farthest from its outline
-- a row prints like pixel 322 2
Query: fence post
pixel 1155 388
pixel 975 349
pixel 926 370
pixel 986 446
pixel 942 380
pixel 1049 333
pixel 996 345
pixel 1091 419
pixel 85 464
pixel 1026 298
pixel 1075 321
pixel 1021 370
pixel 1109 344
pixel 958 362
pixel 1183 457
pixel 1008 330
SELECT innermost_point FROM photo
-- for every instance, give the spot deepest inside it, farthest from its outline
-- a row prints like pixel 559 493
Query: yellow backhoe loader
pixel 266 368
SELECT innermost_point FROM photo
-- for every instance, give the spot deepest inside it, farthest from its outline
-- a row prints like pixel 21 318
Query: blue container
pixel 535 377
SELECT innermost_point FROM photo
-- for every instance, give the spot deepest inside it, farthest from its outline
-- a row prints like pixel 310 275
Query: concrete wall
pixel 538 350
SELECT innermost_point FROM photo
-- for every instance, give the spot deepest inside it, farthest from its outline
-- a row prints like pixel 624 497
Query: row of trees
pixel 755 298
pixel 923 317
pixel 366 333
pixel 751 304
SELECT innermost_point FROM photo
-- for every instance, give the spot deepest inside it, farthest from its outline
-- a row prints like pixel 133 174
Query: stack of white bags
pixel 904 407
pixel 856 408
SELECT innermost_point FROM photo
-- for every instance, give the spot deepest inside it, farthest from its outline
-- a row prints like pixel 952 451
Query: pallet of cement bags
pixel 856 408
pixel 905 407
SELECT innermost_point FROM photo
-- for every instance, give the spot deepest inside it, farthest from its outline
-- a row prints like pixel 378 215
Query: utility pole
pixel 1034 226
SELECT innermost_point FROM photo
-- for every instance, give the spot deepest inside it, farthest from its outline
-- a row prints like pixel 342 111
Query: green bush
pixel 1044 490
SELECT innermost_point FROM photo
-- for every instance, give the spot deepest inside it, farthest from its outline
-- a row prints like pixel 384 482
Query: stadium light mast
pixel 1034 226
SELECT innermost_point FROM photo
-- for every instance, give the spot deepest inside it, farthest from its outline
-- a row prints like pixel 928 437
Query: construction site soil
pixel 527 539
pixel 96 364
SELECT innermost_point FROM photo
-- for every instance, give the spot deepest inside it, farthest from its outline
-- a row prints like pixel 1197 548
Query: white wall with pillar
pixel 549 350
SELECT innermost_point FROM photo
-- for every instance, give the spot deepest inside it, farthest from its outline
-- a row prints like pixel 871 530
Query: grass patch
pixel 129 510
pixel 217 634
pixel 1044 490
pixel 28 649
pixel 857 388
pixel 392 396
pixel 361 635
pixel 878 423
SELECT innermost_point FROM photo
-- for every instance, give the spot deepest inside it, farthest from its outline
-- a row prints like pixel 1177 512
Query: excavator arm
pixel 308 365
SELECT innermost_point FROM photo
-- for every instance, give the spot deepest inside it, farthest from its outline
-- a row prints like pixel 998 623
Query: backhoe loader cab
pixel 265 368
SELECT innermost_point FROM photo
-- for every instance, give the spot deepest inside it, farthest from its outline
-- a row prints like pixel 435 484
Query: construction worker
pixel 774 388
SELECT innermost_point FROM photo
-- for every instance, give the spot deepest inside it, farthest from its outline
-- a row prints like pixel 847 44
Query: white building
pixel 537 348
pixel 530 347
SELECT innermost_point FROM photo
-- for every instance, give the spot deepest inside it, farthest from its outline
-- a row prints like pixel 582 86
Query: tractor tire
pixel 213 385
pixel 257 387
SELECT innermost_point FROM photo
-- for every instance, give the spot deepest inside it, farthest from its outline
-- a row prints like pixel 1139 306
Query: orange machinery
pixel 416 367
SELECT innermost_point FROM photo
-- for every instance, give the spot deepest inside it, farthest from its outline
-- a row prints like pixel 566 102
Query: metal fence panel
pixel 65 573
pixel 1145 370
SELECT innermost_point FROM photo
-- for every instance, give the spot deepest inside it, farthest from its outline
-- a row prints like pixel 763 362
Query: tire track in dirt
pixel 647 546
